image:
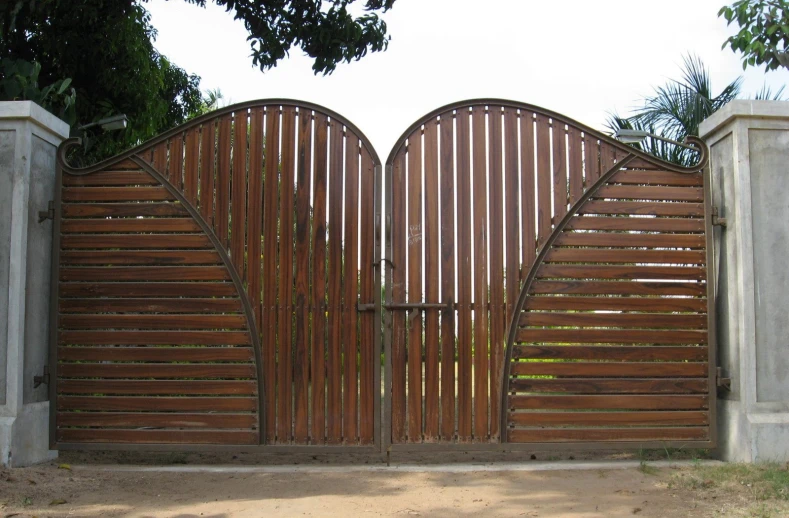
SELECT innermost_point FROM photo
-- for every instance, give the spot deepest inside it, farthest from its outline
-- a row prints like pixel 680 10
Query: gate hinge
pixel 722 382
pixel 716 219
pixel 47 214
pixel 44 378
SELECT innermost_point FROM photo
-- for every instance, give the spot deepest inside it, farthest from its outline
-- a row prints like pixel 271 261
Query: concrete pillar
pixel 749 145
pixel 29 136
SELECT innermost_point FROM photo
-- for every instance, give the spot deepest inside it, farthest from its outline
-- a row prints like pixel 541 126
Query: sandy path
pixel 89 492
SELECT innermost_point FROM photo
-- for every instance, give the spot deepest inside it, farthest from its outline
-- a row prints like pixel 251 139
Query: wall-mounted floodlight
pixel 630 136
pixel 116 122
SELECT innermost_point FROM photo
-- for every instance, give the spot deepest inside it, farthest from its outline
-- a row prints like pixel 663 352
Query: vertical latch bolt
pixel 47 214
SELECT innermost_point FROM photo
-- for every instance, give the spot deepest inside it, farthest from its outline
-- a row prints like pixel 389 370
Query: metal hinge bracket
pixel 722 382
pixel 716 219
pixel 47 214
pixel 44 378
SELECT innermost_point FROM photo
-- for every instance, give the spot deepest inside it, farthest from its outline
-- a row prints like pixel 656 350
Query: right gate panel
pixel 610 341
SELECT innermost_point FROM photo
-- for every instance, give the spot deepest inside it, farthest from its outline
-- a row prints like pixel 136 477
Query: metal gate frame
pixel 382 254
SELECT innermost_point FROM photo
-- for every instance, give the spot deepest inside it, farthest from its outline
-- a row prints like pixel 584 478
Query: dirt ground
pixel 88 490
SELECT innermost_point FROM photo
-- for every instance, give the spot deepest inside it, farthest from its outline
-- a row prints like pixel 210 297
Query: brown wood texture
pixel 150 305
pixel 238 203
pixel 207 172
pixel 464 265
pixel 318 344
pixel 255 211
pixel 431 288
pixel 399 240
pixel 191 164
pixel 350 402
pixel 496 267
pixel 368 355
pixel 139 257
pixel 71 210
pixel 223 178
pixel 415 238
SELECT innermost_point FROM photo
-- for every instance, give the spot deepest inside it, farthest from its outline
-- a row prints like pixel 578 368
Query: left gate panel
pixel 154 341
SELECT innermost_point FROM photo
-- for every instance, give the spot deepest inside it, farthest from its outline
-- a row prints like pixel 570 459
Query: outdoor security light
pixel 116 122
pixel 630 136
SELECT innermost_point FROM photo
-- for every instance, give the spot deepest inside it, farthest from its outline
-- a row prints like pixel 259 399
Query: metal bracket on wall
pixel 44 378
pixel 720 381
pixel 716 219
pixel 47 214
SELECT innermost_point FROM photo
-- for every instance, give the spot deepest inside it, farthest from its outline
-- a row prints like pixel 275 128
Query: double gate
pixel 243 280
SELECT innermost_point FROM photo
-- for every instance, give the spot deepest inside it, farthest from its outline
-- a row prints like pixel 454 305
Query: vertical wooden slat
pixel 268 309
pixel 464 281
pixel 177 161
pixel 415 236
pixel 480 277
pixel 399 234
pixel 255 209
pixel 285 313
pixel 334 367
pixel 223 181
pixel 350 407
pixel 496 264
pixel 302 272
pixel 606 157
pixel 367 389
pixel 528 195
pixel 543 180
pixel 239 196
pixel 207 172
pixel 574 151
pixel 512 208
pixel 431 279
pixel 318 364
pixel 591 160
pixel 160 159
pixel 447 277
pixel 559 172
pixel 192 157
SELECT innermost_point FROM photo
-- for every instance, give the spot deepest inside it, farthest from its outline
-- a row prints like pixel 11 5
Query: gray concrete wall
pixel 29 137
pixel 749 144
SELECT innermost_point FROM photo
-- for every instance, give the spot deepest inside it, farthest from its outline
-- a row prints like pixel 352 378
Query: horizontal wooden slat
pixel 154 338
pixel 153 322
pixel 144 305
pixel 643 320
pixel 658 178
pixel 615 304
pixel 155 370
pixel 159 354
pixel 665 418
pixel 616 369
pixel 136 241
pixel 651 193
pixel 152 404
pixel 616 255
pixel 158 436
pixel 636 223
pixel 619 288
pixel 88 194
pixel 146 273
pixel 110 178
pixel 133 210
pixel 621 272
pixel 130 420
pixel 633 353
pixel 123 165
pixel 608 386
pixel 105 225
pixel 159 289
pixel 158 387
pixel 640 207
pixel 609 434
pixel 629 240
pixel 618 402
pixel 139 257
pixel 611 336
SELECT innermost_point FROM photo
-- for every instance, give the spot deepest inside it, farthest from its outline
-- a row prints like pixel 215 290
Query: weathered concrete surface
pixel 29 137
pixel 749 142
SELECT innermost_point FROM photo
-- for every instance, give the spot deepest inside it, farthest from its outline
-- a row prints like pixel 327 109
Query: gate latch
pixel 44 378
pixel 47 214
pixel 716 219
pixel 720 381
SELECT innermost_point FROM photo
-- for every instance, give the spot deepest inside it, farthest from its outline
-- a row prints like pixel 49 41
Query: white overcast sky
pixel 578 57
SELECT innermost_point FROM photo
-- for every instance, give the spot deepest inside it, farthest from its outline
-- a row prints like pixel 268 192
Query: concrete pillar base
pixel 24 439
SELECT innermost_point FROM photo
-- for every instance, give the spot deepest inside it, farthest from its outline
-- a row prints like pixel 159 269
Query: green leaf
pixel 65 84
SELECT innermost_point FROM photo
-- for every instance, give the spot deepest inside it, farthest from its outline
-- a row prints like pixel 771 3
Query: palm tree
pixel 677 108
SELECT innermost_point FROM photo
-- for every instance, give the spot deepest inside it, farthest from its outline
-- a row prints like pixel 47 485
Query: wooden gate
pixel 548 284
pixel 221 285
pixel 209 283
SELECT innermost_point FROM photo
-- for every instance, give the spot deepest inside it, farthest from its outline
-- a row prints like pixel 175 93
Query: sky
pixel 584 59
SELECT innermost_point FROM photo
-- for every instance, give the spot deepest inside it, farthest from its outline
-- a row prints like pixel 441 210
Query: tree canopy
pixel 763 38
pixel 104 53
